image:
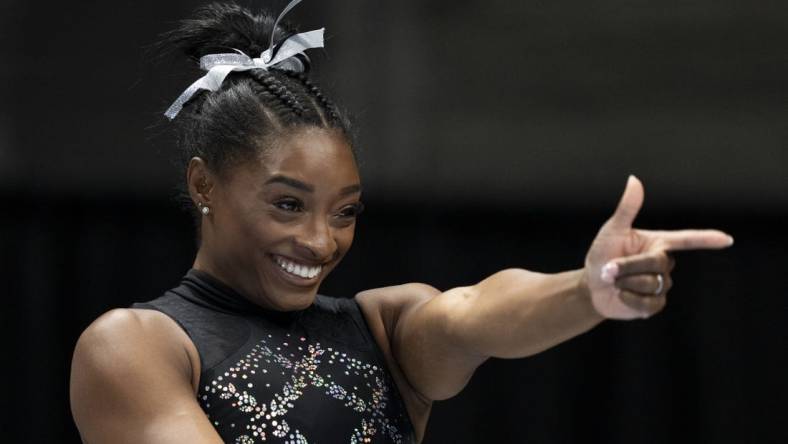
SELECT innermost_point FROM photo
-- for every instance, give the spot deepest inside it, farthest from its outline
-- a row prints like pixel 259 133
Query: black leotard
pixel 310 376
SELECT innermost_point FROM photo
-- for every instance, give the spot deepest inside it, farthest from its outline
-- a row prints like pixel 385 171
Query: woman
pixel 244 350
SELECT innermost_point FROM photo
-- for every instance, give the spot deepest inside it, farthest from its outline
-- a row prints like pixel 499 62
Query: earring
pixel 203 209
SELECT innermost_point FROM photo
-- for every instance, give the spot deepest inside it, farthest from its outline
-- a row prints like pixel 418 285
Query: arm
pixel 439 339
pixel 131 383
pixel 514 313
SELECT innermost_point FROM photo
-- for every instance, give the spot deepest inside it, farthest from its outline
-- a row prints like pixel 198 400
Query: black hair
pixel 252 108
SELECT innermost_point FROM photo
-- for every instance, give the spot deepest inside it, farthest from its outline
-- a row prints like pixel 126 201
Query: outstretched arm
pixel 439 339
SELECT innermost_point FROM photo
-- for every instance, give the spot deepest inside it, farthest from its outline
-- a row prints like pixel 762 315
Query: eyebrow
pixel 295 183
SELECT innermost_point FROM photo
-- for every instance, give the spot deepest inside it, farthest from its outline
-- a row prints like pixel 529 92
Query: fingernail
pixel 609 272
pixel 730 240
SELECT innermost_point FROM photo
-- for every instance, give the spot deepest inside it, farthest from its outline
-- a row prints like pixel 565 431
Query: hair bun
pixel 223 27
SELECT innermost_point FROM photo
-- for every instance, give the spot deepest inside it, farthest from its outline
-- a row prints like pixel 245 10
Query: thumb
pixel 629 205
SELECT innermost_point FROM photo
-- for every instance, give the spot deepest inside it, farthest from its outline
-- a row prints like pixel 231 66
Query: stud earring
pixel 203 209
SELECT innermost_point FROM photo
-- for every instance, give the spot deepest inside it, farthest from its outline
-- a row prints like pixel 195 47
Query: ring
pixel 660 284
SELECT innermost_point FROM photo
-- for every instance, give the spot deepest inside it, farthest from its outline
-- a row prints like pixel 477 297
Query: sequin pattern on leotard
pixel 315 376
pixel 297 366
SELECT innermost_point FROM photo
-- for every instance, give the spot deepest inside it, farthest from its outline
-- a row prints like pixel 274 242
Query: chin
pixel 299 302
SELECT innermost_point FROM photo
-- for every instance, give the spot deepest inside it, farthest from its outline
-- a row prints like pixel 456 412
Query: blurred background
pixel 493 134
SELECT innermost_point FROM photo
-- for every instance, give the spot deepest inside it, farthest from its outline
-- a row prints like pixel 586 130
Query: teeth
pixel 300 270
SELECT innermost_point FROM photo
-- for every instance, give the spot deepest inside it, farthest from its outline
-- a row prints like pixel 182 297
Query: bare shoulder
pixel 123 342
pixel 124 335
pixel 126 322
pixel 131 376
pixel 393 300
pixel 418 324
pixel 382 308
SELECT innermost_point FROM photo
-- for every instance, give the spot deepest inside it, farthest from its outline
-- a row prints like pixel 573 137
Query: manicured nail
pixel 609 272
pixel 730 240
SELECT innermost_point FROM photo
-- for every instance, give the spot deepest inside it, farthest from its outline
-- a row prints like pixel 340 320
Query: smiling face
pixel 277 226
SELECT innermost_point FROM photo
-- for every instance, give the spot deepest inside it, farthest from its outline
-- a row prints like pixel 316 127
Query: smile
pixel 296 269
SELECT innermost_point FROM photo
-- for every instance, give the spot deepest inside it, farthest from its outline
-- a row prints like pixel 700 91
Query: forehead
pixel 312 155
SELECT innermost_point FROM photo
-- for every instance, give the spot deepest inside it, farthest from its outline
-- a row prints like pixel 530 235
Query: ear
pixel 200 181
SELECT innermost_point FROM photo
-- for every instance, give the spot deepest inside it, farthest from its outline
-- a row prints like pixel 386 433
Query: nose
pixel 316 240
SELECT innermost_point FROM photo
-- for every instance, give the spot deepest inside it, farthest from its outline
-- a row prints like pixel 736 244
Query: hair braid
pixel 279 90
pixel 328 106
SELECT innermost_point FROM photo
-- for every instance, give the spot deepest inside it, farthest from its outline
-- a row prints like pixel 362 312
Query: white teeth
pixel 298 269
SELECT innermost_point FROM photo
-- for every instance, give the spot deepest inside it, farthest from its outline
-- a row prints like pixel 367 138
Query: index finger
pixel 690 239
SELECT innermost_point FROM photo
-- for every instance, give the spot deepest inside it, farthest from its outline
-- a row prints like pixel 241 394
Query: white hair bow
pixel 219 65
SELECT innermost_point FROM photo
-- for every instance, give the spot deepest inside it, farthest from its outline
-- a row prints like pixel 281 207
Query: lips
pixel 296 273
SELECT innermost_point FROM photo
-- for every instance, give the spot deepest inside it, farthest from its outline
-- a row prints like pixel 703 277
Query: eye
pixel 289 205
pixel 352 210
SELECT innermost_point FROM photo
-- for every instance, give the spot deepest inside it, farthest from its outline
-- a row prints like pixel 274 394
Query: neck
pixel 227 274
pixel 244 280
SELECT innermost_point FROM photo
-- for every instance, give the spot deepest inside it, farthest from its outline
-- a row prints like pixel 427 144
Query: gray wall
pixel 549 103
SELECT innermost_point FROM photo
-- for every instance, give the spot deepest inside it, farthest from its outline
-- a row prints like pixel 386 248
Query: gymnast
pixel 244 349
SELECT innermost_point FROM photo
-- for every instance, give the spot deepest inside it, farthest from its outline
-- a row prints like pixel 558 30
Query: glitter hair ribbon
pixel 220 65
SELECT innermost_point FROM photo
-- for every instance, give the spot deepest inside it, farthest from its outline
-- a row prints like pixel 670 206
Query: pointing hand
pixel 627 271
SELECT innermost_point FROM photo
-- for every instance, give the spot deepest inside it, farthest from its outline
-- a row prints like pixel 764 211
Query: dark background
pixel 494 134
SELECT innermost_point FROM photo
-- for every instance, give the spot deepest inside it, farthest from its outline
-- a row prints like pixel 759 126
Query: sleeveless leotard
pixel 310 376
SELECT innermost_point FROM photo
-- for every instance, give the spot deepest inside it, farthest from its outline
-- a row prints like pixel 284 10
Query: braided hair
pixel 252 108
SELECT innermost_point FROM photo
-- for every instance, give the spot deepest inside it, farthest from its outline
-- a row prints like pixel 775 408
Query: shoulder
pixel 127 346
pixel 119 327
pixel 416 322
pixel 384 308
pixel 124 329
pixel 392 301
pixel 136 318
pixel 401 290
pixel 126 342
pixel 130 380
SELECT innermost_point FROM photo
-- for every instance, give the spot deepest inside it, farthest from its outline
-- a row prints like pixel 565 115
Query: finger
pixel 690 239
pixel 646 306
pixel 645 285
pixel 653 262
pixel 629 205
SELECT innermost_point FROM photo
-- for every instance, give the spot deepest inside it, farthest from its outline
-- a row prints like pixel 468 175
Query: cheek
pixel 246 229
pixel 263 230
pixel 345 239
